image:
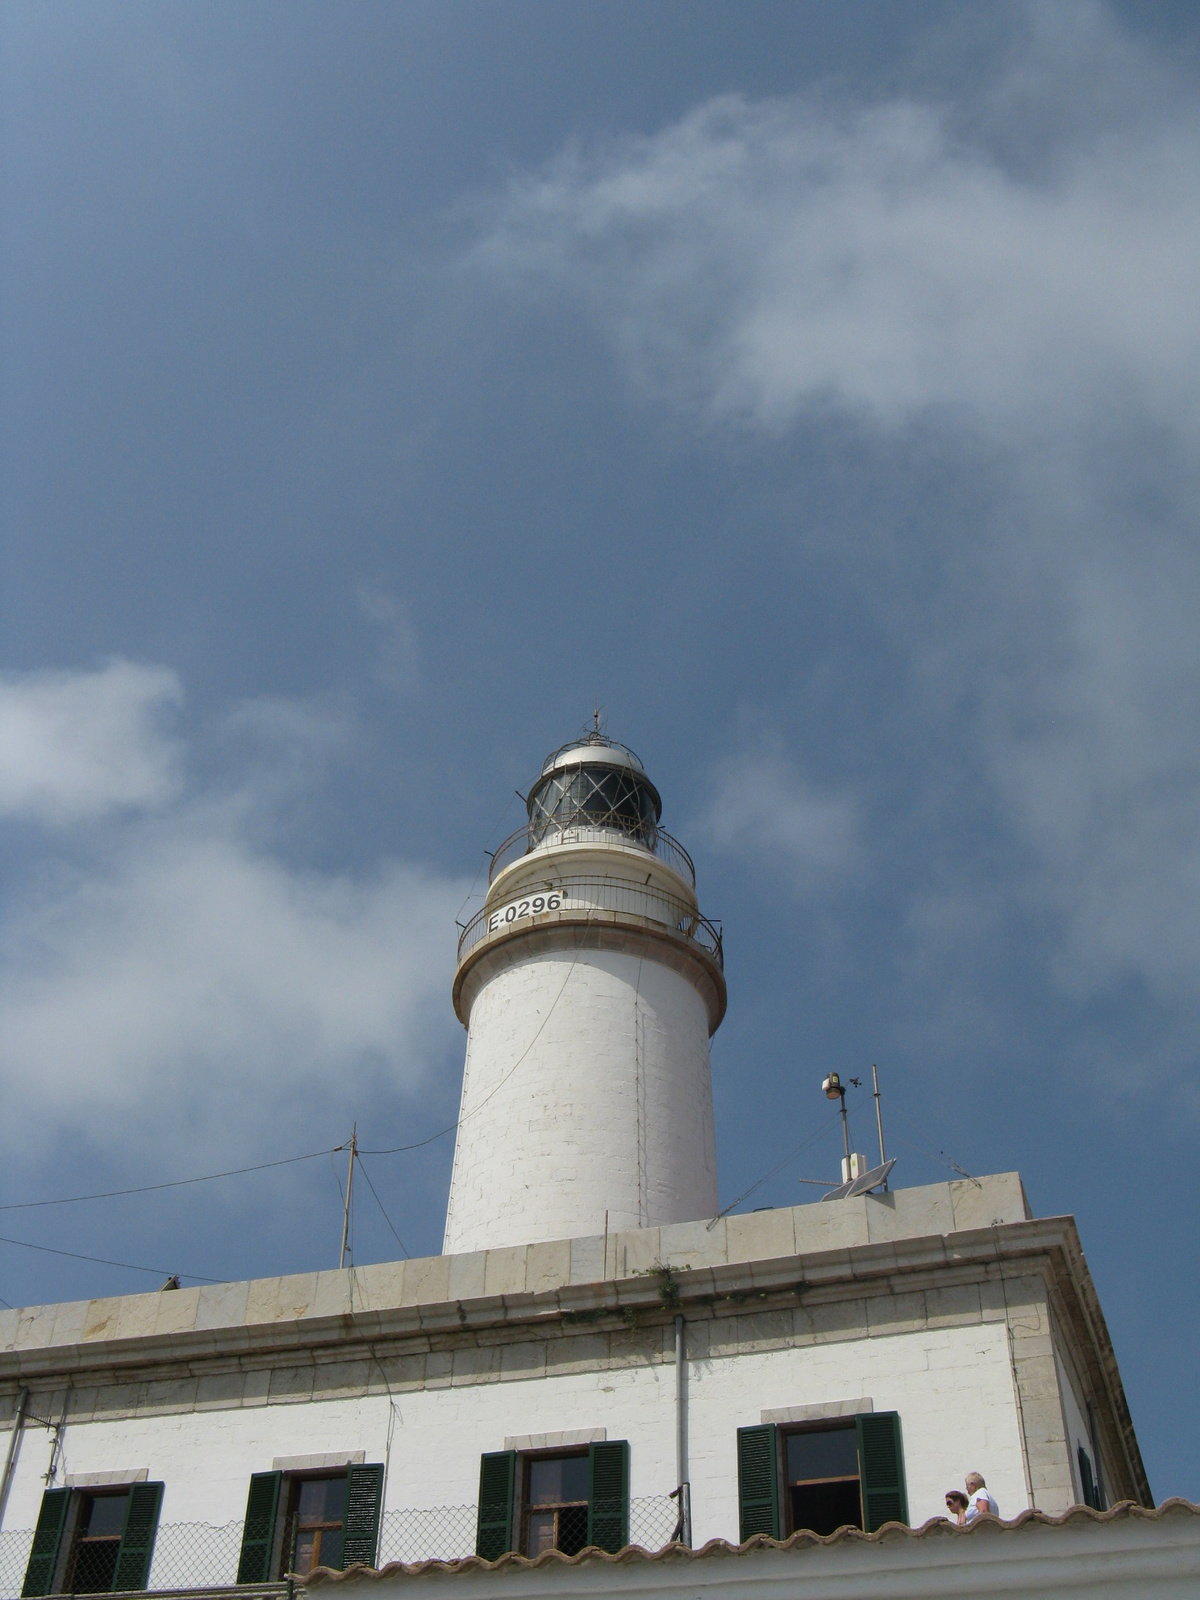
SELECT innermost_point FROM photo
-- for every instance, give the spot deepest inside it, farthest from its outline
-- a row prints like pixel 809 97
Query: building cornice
pixel 655 1295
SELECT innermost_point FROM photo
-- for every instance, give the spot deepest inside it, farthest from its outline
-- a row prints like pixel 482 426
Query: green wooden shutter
pixel 881 1463
pixel 494 1529
pixel 364 1502
pixel 758 1481
pixel 608 1495
pixel 1088 1481
pixel 258 1531
pixel 137 1541
pixel 47 1537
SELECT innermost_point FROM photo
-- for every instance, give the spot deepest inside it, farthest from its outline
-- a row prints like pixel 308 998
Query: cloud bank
pixel 1016 272
pixel 174 977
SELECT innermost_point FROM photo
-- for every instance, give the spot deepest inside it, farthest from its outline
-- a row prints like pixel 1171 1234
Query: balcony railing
pixel 199 1555
pixel 594 830
pixel 596 894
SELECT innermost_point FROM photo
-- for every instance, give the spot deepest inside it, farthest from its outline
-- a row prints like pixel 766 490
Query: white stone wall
pixel 951 1386
pixel 586 1088
pixel 204 1458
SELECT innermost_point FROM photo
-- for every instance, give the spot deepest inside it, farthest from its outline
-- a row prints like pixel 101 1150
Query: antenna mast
pixel 879 1121
pixel 349 1186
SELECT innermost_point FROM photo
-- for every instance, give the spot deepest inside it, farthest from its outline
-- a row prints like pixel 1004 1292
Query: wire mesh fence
pixel 196 1555
pixel 15 1545
pixel 201 1555
pixel 187 1555
pixel 653 1521
pixel 435 1533
pixel 447 1533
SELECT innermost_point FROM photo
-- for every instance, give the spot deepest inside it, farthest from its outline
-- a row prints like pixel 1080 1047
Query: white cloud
pixel 929 268
pixel 758 260
pixel 187 983
pixel 77 745
pixel 764 810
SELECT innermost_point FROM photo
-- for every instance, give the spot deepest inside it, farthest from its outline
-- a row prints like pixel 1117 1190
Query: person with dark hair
pixel 956 1505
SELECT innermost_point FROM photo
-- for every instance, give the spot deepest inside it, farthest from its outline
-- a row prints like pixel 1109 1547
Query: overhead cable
pixel 778 1167
pixel 175 1183
pixel 362 1167
pixel 130 1266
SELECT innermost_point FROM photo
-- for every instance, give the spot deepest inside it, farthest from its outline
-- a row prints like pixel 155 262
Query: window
pixel 556 1504
pixel 565 1501
pixel 827 1476
pixel 94 1541
pixel 822 1479
pixel 315 1520
pixel 330 1519
pixel 99 1524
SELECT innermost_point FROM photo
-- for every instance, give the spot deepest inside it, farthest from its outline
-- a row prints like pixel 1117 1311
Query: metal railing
pixel 201 1555
pixel 594 830
pixel 597 894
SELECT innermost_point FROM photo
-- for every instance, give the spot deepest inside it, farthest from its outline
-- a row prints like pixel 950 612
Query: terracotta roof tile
pixel 936 1527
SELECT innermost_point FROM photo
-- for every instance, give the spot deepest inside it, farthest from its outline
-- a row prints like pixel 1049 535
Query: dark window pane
pixel 322 1499
pixel 555 1480
pixel 575 1478
pixel 95 1566
pixel 829 1453
pixel 826 1507
pixel 545 1483
pixel 572 1529
pixel 107 1516
pixel 331 1549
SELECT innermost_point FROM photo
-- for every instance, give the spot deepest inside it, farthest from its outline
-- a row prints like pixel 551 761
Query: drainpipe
pixel 684 1491
pixel 10 1457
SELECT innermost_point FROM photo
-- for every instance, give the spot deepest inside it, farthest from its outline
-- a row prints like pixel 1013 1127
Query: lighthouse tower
pixel 589 985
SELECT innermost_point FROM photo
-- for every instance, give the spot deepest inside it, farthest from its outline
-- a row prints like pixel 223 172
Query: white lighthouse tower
pixel 589 985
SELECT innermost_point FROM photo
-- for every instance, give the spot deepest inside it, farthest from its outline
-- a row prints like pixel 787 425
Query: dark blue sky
pixel 812 386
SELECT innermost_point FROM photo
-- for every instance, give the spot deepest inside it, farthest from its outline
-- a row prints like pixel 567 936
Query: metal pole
pixel 879 1121
pixel 685 1494
pixel 349 1186
pixel 11 1453
pixel 845 1127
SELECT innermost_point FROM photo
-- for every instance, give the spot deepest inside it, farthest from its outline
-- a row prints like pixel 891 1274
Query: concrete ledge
pixel 556 1441
pixel 830 1408
pixel 105 1480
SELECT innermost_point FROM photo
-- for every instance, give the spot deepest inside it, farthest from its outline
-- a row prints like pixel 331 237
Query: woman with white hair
pixel 979 1497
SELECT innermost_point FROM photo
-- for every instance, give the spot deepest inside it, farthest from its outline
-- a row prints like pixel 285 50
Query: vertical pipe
pixel 10 1455
pixel 684 1488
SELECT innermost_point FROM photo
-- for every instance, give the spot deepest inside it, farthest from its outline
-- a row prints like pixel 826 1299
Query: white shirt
pixel 980 1502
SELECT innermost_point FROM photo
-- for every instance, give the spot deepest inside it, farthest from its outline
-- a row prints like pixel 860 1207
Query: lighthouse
pixel 589 984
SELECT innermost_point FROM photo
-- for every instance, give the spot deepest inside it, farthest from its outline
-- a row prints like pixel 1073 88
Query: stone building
pixel 598 1360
